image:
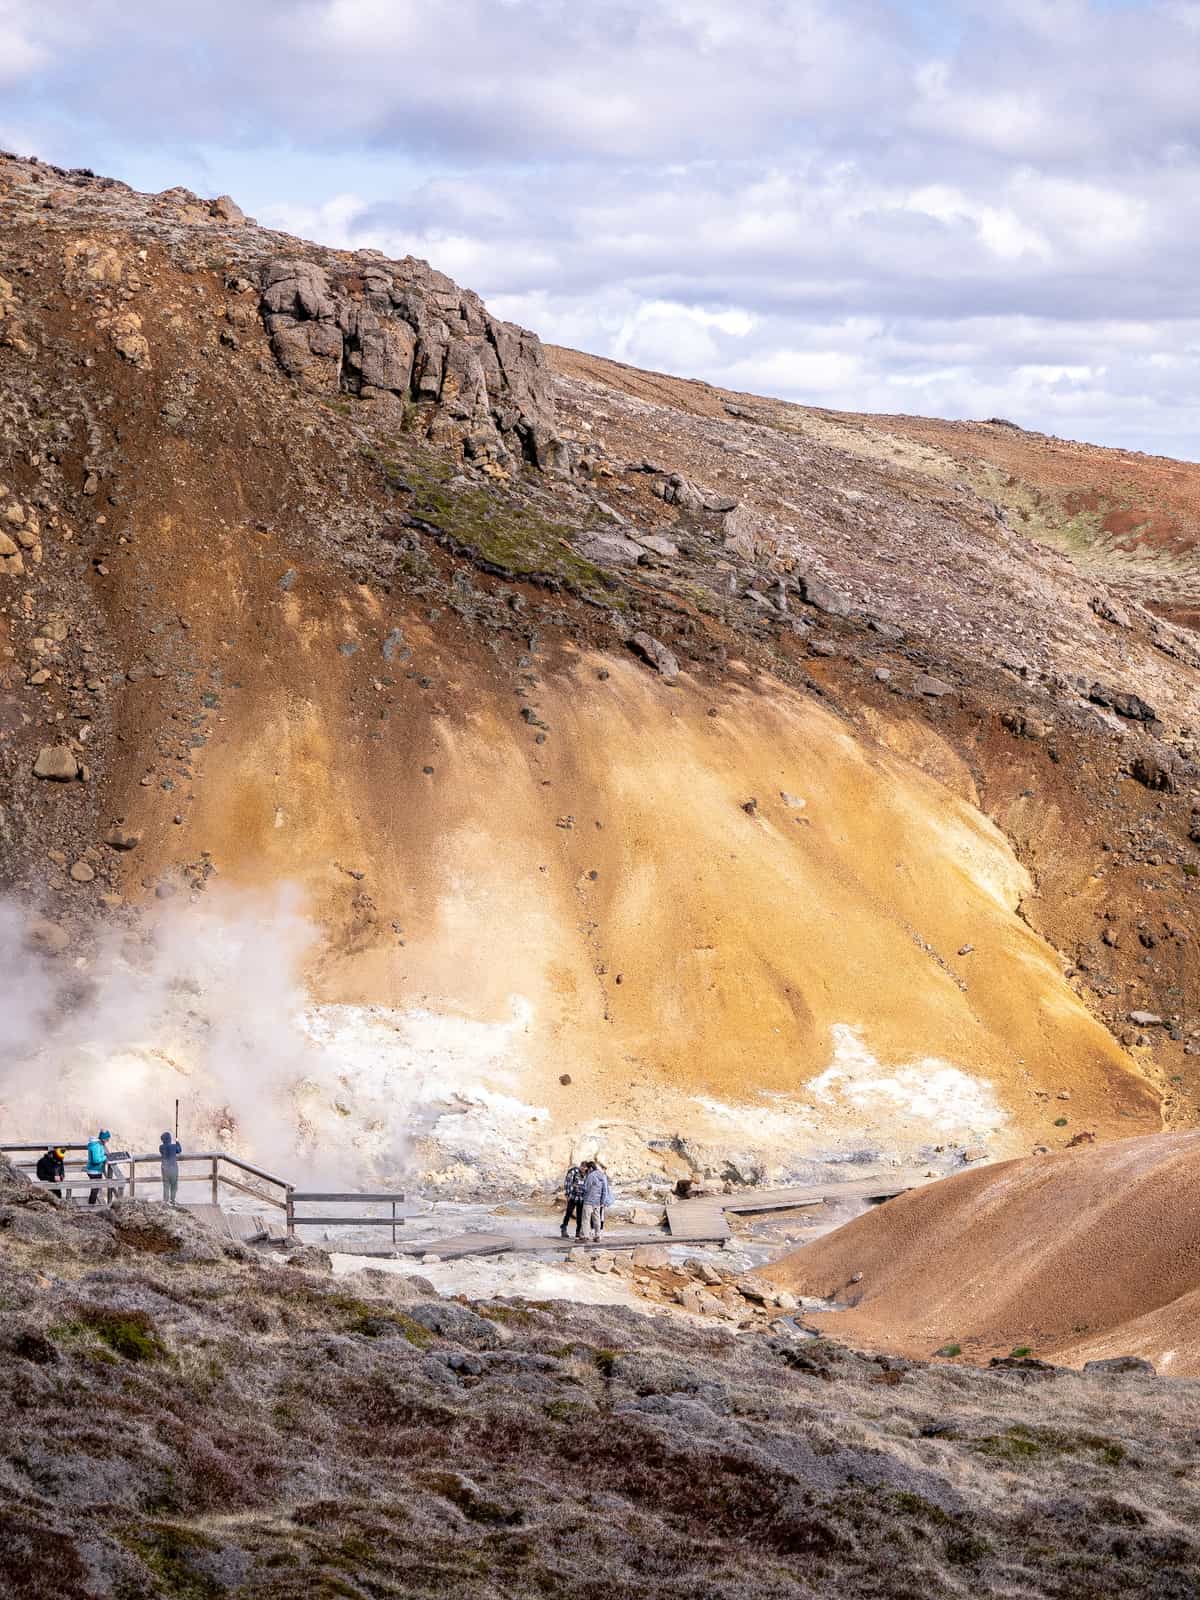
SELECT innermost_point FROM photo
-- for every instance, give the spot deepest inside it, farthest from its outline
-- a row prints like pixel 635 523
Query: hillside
pixel 441 754
pixel 185 1418
pixel 1081 1255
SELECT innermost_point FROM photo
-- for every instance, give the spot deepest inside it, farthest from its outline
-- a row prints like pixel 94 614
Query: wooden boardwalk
pixel 702 1220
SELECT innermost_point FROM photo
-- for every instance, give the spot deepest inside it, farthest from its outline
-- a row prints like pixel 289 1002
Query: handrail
pixel 70 1185
pixel 217 1155
pixel 396 1195
pixel 215 1161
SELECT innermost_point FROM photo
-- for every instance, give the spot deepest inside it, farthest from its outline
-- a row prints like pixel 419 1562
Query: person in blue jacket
pixel 97 1162
pixel 169 1152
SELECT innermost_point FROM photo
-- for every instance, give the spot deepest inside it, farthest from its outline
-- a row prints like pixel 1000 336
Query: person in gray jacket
pixel 169 1152
pixel 597 1196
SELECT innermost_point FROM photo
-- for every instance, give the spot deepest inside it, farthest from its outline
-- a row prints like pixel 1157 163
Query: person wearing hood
pixel 169 1152
pixel 97 1163
pixel 52 1168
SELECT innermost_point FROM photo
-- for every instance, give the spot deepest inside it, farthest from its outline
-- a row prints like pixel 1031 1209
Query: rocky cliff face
pixel 731 787
pixel 400 333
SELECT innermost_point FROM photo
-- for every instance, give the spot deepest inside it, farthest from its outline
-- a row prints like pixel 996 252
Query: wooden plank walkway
pixel 702 1220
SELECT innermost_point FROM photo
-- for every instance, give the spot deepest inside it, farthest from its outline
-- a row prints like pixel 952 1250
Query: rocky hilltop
pixel 730 785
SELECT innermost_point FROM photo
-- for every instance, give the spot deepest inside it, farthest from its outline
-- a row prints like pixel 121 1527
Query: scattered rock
pixel 1110 611
pixel 82 872
pixel 1146 1019
pixel 822 597
pixel 935 688
pixel 1124 703
pixel 656 653
pixel 740 533
pixel 118 838
pixel 658 545
pixel 610 550
pixel 1117 1364
pixel 1154 772
pixel 227 209
pixel 56 762
pixel 651 1255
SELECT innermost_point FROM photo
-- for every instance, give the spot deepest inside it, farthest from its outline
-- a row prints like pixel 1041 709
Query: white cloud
pixel 995 210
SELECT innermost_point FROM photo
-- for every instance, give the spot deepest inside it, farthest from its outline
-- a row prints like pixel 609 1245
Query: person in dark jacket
pixel 169 1152
pixel 52 1168
pixel 573 1184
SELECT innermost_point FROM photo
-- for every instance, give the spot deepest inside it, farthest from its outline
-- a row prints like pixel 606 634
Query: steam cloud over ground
pixel 203 1002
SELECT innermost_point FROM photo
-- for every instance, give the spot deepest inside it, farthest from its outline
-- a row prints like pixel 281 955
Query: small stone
pixel 823 598
pixel 975 1152
pixel 117 838
pixel 1120 1364
pixel 602 1261
pixel 749 1290
pixel 564 1078
pixel 91 483
pixel 656 653
pixel 82 872
pixel 227 210
pixel 935 688
pixel 57 763
pixel 1146 1019
pixel 651 1255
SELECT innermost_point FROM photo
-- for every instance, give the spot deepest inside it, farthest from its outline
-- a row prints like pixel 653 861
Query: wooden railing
pixel 215 1172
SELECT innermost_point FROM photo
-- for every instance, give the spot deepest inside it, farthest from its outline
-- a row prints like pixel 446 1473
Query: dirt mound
pixel 1079 1255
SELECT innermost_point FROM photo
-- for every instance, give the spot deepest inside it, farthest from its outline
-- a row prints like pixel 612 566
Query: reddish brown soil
pixel 1083 1254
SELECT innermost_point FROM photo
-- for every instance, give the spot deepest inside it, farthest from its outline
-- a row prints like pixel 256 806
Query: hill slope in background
pixel 1081 1255
pixel 654 769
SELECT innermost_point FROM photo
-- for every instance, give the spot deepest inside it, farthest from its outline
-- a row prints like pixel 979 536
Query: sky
pixel 984 208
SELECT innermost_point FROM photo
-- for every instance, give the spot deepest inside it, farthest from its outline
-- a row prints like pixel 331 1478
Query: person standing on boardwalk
pixel 597 1196
pixel 169 1152
pixel 97 1162
pixel 573 1184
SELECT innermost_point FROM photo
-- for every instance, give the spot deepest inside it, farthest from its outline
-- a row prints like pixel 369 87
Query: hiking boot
pixel 562 1233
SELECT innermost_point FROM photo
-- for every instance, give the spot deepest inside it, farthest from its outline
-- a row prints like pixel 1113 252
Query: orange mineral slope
pixel 1080 1255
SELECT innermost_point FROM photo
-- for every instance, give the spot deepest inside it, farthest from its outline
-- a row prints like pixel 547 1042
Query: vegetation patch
pixel 132 1335
pixel 170 1553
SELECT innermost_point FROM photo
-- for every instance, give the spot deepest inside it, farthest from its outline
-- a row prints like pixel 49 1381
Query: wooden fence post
pixel 215 1159
pixel 291 1211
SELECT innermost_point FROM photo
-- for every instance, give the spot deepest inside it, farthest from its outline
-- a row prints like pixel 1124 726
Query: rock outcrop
pixel 402 333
